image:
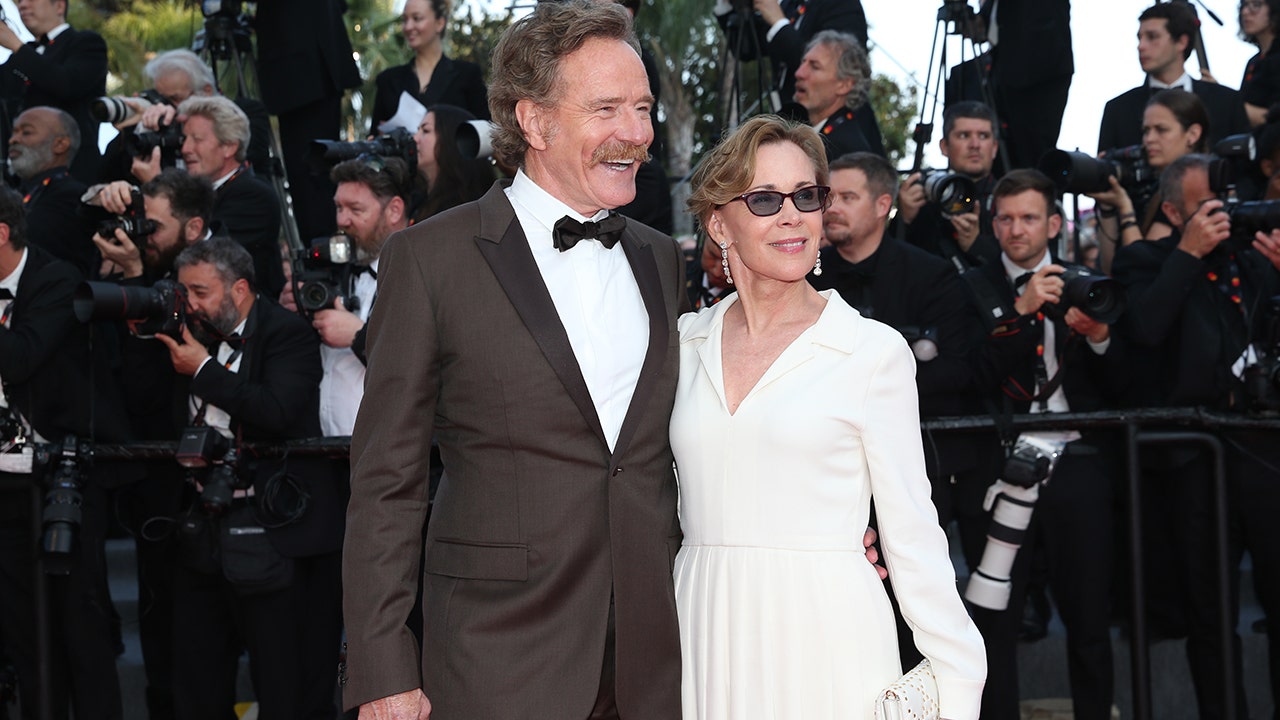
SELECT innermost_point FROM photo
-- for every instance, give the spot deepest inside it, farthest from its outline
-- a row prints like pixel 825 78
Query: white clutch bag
pixel 913 696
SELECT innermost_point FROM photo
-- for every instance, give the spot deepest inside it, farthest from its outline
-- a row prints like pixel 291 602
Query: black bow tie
pixel 608 231
pixel 358 270
pixel 1021 280
pixel 43 41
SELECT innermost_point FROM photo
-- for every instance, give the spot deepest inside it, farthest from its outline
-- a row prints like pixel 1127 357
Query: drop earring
pixel 724 261
pixel 817 266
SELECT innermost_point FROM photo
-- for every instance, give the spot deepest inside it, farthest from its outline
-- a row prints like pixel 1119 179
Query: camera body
pixel 168 138
pixel 134 222
pixel 1097 295
pixel 956 194
pixel 1077 172
pixel 223 481
pixel 161 308
pixel 322 274
pixel 324 154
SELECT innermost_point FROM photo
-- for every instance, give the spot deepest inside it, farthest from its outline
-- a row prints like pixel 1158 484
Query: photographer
pixel 1201 312
pixel 970 146
pixel 50 383
pixel 782 30
pixel 1045 354
pixel 263 553
pixel 41 149
pixel 175 75
pixel 63 68
pixel 215 147
pixel 1167 33
pixel 177 204
pixel 832 84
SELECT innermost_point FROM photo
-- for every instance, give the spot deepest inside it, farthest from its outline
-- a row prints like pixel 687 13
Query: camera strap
pixel 35 192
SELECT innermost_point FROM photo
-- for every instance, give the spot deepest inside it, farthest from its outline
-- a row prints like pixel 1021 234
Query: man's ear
pixel 1055 225
pixel 395 211
pixel 533 122
pixel 192 230
pixel 1172 212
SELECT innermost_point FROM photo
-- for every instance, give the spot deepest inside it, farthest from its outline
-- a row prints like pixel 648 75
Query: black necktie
pixel 608 231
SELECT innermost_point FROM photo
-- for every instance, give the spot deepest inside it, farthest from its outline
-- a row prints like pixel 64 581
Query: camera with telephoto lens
pixel 1234 157
pixel 1077 172
pixel 168 138
pixel 161 308
pixel 116 109
pixel 322 272
pixel 134 222
pixel 324 154
pixel 954 193
pixel 1097 295
pixel 65 465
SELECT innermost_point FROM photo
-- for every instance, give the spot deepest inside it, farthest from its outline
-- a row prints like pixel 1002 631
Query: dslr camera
pixel 1077 172
pixel 1234 158
pixel 204 448
pixel 322 274
pixel 134 222
pixel 168 138
pixel 159 309
pixel 1097 295
pixel 956 194
pixel 324 154
pixel 66 465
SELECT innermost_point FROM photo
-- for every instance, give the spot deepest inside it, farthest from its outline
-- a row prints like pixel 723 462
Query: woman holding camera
pixel 1260 86
pixel 450 178
pixel 431 77
pixel 1174 124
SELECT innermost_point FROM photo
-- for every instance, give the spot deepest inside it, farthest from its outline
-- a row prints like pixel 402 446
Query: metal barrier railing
pixel 1198 423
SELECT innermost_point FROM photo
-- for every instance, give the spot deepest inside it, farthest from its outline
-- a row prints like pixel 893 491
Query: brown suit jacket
pixel 536 524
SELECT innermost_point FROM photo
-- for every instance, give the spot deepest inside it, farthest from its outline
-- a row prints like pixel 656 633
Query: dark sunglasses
pixel 763 203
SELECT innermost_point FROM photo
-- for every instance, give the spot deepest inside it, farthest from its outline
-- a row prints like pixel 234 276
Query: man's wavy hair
pixel 527 60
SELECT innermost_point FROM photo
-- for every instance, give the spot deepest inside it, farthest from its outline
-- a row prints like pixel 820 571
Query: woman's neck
pixel 426 59
pixel 1265 38
pixel 771 305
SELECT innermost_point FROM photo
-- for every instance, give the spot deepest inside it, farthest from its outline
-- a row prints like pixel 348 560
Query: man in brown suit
pixel 545 364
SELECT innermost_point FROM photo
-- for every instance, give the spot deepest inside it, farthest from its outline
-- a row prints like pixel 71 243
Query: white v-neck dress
pixel 781 615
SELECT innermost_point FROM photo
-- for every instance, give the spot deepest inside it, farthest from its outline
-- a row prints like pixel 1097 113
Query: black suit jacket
pixel 907 288
pixel 1185 326
pixel 454 82
pixel 847 136
pixel 247 207
pixel 55 221
pixel 46 365
pixel 1035 42
pixel 1122 116
pixel 786 49
pixel 304 54
pixel 1089 380
pixel 275 396
pixel 70 74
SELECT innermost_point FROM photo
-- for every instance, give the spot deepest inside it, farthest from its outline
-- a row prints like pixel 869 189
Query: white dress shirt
pixel 10 283
pixel 597 299
pixel 214 416
pixel 342 386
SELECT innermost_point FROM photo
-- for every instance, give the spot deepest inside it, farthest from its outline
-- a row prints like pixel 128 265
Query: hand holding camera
pixel 1045 286
pixel 1269 245
pixel 188 355
pixel 911 198
pixel 158 117
pixel 120 251
pixel 1206 229
pixel 1095 330
pixel 337 325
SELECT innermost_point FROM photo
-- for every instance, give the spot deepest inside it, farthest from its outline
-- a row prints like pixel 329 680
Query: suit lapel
pixel 513 265
pixel 645 269
pixel 440 79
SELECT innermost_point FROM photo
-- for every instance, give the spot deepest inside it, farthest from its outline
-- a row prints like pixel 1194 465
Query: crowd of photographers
pixel 144 297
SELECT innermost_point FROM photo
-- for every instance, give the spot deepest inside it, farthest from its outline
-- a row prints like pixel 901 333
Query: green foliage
pixel 374 29
pixel 896 111
pixel 475 33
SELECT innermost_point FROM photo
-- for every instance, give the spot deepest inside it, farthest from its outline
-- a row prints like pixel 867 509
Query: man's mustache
pixel 619 152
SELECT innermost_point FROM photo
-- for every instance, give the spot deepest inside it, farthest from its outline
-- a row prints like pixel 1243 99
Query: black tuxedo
pixel 787 47
pixel 1072 521
pixel 1122 117
pixel 55 221
pixel 69 75
pixel 293 631
pixel 453 82
pixel 304 67
pixel 46 366
pixel 1192 332
pixel 1031 70
pixel 247 207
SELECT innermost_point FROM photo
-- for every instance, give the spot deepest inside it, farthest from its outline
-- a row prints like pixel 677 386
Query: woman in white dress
pixel 793 412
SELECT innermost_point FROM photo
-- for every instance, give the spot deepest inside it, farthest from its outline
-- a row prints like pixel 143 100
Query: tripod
pixel 227 40
pixel 955 17
pixel 744 43
pixel 1202 58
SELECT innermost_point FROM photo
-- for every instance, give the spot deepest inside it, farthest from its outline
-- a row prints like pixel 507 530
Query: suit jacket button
pixel 617 471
